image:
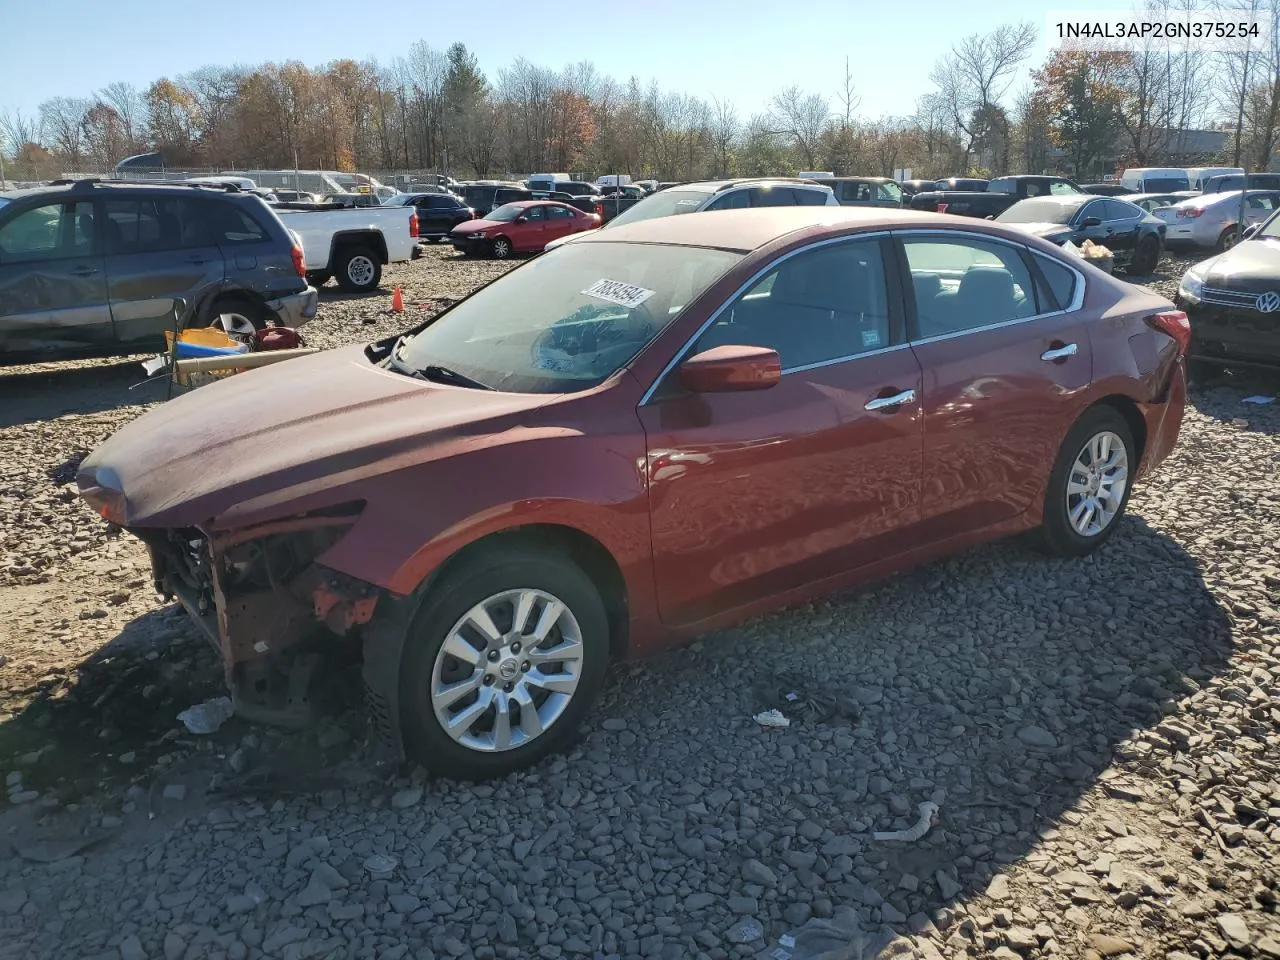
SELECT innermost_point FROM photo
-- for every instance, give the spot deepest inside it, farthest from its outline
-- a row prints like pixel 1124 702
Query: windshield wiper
pixel 433 371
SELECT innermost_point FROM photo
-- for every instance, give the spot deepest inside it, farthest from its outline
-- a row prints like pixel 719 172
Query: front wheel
pixel 501 249
pixel 1089 485
pixel 501 664
pixel 358 269
pixel 1230 237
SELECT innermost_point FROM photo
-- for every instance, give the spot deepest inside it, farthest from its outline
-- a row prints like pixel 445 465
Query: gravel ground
pixel 1101 739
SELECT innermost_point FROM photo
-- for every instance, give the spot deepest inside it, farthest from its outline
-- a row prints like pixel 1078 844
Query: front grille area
pixel 1230 298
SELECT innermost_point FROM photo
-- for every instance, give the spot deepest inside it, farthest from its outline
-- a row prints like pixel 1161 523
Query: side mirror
pixel 521 219
pixel 730 369
pixel 1091 222
pixel 1251 230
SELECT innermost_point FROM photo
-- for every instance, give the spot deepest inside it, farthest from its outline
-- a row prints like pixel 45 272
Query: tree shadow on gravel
pixel 33 395
pixel 997 683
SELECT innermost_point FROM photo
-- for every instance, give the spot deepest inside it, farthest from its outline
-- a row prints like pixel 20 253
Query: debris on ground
pixel 928 812
pixel 207 718
pixel 771 718
pixel 805 700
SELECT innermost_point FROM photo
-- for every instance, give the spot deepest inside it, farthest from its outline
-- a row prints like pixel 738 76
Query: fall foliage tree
pixel 1084 100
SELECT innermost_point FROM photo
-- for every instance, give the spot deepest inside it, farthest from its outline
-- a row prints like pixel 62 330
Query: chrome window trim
pixel 747 285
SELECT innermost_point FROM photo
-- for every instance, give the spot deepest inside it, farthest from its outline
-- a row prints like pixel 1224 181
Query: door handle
pixel 197 259
pixel 84 271
pixel 1060 353
pixel 887 403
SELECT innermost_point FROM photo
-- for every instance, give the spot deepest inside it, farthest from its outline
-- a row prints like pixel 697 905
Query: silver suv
pixel 710 195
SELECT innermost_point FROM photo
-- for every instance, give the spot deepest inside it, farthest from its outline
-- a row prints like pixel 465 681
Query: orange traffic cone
pixel 397 301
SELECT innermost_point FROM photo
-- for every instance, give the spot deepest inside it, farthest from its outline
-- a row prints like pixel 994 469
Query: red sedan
pixel 525 226
pixel 639 437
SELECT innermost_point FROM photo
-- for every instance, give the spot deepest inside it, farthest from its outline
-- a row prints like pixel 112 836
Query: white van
pixel 243 183
pixel 1196 176
pixel 613 180
pixel 1155 179
pixel 815 174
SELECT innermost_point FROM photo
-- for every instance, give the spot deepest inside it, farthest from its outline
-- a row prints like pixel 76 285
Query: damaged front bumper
pixel 260 597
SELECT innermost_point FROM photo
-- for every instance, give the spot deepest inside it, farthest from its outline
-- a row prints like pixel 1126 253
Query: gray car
pixel 1211 221
pixel 865 191
pixel 94 267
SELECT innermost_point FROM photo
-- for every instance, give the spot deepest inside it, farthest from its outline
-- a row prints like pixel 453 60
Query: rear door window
pixel 736 200
pixel 772 197
pixel 810 198
pixel 35 234
pixel 962 283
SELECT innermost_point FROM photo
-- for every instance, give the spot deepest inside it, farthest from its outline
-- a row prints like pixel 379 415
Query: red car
pixel 638 437
pixel 525 226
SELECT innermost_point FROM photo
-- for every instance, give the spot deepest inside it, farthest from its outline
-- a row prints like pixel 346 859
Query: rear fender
pixel 373 239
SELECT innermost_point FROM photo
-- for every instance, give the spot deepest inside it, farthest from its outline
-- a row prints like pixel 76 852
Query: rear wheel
pixel 501 248
pixel 358 269
pixel 1090 484
pixel 501 663
pixel 1146 257
pixel 239 317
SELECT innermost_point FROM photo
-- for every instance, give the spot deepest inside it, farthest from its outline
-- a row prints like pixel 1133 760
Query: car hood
pixel 287 431
pixel 1251 267
pixel 1054 232
pixel 475 226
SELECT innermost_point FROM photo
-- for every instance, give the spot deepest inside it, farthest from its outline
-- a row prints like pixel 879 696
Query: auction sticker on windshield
pixel 615 291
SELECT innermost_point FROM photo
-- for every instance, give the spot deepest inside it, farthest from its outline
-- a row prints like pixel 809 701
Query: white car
pixel 719 195
pixel 353 244
pixel 1211 220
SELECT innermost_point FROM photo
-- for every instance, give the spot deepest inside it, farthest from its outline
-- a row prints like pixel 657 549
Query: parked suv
pixel 483 197
pixel 93 267
pixel 721 195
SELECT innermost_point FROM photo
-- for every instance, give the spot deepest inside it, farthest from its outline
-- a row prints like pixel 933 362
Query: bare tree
pixel 62 122
pixel 19 128
pixel 129 106
pixel 724 132
pixel 976 74
pixel 801 118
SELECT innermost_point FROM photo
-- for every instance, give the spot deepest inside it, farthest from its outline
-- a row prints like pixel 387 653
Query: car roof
pixel 747 230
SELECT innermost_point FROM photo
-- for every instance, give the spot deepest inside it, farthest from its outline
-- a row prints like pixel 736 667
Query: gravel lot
pixel 1101 738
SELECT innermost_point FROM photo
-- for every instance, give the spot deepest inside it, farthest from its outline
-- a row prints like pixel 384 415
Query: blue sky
pixel 743 51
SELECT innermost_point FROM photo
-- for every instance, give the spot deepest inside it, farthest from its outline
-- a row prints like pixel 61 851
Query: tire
pixel 318 278
pixel 239 317
pixel 358 269
pixel 1058 535
pixel 1230 237
pixel 427 667
pixel 1146 258
pixel 500 248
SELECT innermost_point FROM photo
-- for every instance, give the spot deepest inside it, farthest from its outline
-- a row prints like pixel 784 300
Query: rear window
pixel 663 204
pixel 1163 184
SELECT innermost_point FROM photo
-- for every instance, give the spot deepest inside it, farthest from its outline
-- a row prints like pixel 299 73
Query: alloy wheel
pixel 507 670
pixel 235 325
pixel 1096 484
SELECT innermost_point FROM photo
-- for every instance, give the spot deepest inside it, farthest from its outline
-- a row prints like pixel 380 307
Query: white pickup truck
pixel 351 244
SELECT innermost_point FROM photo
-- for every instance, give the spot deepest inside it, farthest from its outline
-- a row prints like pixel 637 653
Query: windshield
pixel 1270 229
pixel 567 321
pixel 505 213
pixel 1040 211
pixel 664 204
pixel 889 191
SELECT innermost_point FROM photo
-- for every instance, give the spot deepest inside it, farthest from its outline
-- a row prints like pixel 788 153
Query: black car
pixel 961 183
pixel 1233 302
pixel 483 197
pixel 1135 237
pixel 94 267
pixel 911 187
pixel 587 203
pixel 1109 189
pixel 438 213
